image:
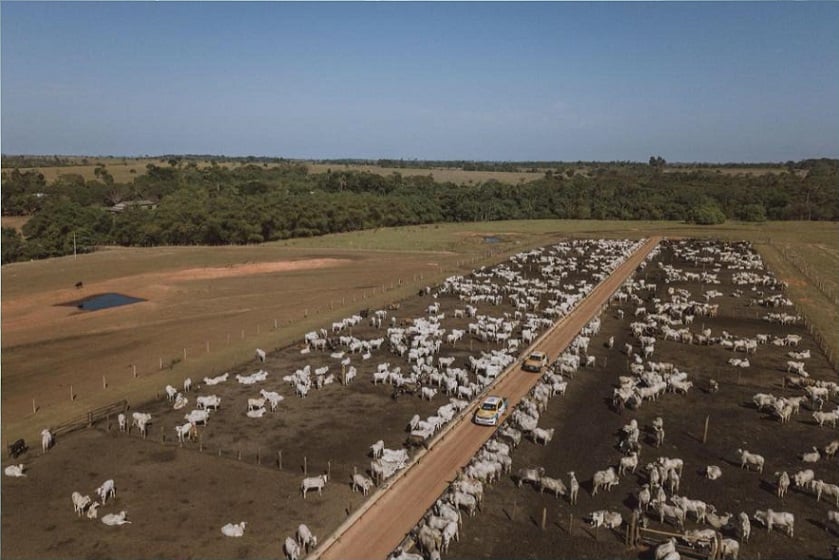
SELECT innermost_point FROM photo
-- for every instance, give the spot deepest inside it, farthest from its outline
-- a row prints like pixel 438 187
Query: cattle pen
pixel 406 498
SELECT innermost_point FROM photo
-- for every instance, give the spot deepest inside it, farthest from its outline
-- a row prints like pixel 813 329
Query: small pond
pixel 103 301
pixel 492 239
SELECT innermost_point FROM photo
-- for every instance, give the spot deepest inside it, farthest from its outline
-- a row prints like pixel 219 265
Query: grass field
pixel 208 308
pixel 124 170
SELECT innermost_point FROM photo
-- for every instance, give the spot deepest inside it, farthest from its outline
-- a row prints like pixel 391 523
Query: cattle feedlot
pixel 695 404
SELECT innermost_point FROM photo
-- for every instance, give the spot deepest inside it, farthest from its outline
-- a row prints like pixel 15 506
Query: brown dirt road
pixel 376 529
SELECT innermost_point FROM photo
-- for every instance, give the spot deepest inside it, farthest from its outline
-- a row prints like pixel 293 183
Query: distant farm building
pixel 145 204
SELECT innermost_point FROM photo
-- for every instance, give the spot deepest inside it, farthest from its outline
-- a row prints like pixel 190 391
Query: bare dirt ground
pixel 178 498
pixel 586 438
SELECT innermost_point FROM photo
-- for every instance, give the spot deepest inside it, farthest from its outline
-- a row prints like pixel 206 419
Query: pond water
pixel 492 239
pixel 104 301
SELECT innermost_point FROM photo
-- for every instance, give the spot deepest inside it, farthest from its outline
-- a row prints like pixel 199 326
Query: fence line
pixel 157 362
pixel 830 350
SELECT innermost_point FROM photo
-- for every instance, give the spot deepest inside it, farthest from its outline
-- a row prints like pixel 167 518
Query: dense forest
pixel 188 204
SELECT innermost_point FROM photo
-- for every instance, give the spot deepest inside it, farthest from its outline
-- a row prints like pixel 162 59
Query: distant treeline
pixel 185 204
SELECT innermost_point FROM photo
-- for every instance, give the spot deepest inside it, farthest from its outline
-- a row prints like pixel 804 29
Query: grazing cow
pixel 305 538
pixel 771 519
pixel 362 482
pixel 291 549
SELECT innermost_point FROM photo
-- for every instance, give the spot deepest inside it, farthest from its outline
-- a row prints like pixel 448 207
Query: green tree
pixel 12 245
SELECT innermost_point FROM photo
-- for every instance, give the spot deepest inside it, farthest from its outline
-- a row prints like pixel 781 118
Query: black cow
pixel 17 448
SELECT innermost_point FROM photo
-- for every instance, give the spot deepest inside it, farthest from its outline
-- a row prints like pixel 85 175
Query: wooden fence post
pixel 705 433
pixel 280 459
pixel 305 466
pixel 544 517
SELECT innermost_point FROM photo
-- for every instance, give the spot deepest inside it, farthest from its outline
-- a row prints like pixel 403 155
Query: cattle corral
pixel 333 427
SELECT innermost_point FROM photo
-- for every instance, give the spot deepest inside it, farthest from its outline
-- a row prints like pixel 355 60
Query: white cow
pixel 208 402
pixel 291 549
pixel 188 430
pixel 750 459
pixel 273 398
pixel 46 440
pixel 771 519
pixel 608 519
pixel 313 483
pixel 80 503
pixel 713 472
pixel 115 519
pixel 628 463
pixel 197 416
pixel 106 490
pixel 362 482
pixel 606 479
pixel 783 483
pixel 543 435
pixel 14 470
pixel 234 529
pixel 305 538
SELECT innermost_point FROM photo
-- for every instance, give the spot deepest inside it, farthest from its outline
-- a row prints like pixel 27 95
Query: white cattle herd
pixel 536 287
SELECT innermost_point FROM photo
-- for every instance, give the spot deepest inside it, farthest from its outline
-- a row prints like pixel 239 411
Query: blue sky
pixel 719 82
